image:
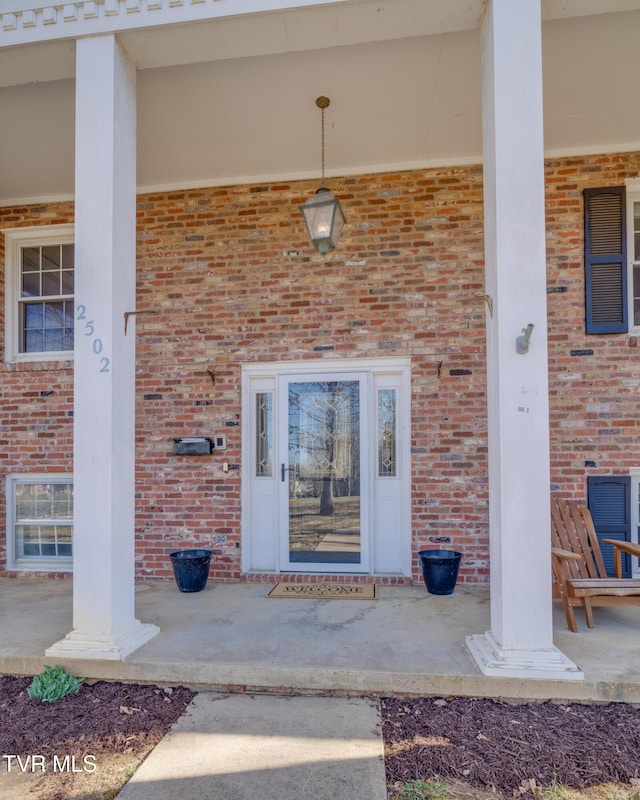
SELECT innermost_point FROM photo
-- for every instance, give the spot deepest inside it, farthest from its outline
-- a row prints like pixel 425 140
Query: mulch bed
pixel 101 718
pixel 510 747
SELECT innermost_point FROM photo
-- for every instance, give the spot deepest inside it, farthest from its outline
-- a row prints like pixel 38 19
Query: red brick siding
pixel 594 399
pixel 227 276
pixel 231 278
pixel 36 399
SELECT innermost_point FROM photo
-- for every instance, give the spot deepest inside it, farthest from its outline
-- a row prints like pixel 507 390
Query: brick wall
pixel 231 278
pixel 36 399
pixel 226 276
pixel 594 380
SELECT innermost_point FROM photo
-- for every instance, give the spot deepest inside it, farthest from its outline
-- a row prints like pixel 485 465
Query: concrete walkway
pixel 241 747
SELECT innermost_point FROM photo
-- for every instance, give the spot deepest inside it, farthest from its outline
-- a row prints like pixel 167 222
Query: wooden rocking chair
pixel 578 568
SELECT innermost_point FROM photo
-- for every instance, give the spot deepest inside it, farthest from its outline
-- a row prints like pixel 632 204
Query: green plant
pixel 423 790
pixel 52 684
pixel 556 791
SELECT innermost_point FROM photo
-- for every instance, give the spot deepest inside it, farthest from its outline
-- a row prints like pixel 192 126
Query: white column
pixel 520 642
pixel 104 624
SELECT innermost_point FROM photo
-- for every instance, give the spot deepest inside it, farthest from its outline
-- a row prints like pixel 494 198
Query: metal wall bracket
pixel 522 342
pixel 128 314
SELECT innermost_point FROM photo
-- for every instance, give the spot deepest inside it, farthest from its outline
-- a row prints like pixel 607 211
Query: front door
pixel 323 477
pixel 326 470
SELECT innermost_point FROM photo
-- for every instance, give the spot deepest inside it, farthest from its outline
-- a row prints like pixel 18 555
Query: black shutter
pixel 609 500
pixel 605 260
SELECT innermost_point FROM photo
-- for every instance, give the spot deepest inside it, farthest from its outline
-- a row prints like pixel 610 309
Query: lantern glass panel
pixel 324 220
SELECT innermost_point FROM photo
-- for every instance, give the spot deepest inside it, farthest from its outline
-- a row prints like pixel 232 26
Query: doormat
pixel 325 591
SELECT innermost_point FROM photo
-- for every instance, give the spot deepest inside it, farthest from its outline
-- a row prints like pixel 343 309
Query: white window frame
pixel 634 472
pixel 15 240
pixel 632 197
pixel 35 563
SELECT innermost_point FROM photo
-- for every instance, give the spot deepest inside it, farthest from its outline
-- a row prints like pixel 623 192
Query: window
pixel 609 501
pixel 634 492
pixel 633 205
pixel 612 258
pixel 39 521
pixel 605 260
pixel 39 293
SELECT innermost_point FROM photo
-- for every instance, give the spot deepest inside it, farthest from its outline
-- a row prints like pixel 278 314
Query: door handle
pixel 284 469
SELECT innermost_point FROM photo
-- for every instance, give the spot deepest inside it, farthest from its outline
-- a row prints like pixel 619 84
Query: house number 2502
pixel 97 345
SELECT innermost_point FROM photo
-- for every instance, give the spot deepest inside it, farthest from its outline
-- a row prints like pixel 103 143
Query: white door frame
pixel 390 505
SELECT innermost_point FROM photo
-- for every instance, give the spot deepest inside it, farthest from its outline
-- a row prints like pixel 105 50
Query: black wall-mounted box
pixel 192 446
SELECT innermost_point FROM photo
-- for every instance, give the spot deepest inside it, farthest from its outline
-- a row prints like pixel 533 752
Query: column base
pixel 103 646
pixel 495 660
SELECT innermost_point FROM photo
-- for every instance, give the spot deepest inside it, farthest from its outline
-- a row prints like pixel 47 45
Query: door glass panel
pixel 324 472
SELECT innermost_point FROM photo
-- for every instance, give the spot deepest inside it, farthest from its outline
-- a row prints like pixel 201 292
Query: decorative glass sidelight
pixel 387 434
pixel 323 472
pixel 264 434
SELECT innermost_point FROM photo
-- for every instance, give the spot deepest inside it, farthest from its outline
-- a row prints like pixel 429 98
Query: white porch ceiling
pixel 232 100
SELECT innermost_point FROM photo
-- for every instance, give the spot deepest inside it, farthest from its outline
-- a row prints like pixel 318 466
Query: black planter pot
pixel 440 570
pixel 191 569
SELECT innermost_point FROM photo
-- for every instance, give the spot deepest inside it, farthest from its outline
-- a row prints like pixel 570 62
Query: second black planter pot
pixel 440 570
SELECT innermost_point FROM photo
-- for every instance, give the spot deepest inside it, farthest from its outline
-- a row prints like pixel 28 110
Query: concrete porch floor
pixel 232 636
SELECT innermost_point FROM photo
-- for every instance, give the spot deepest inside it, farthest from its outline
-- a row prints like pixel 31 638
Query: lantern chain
pixel 323 146
pixel 322 102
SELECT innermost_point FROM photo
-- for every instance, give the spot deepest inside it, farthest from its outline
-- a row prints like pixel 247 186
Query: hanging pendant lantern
pixel 322 213
pixel 324 219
